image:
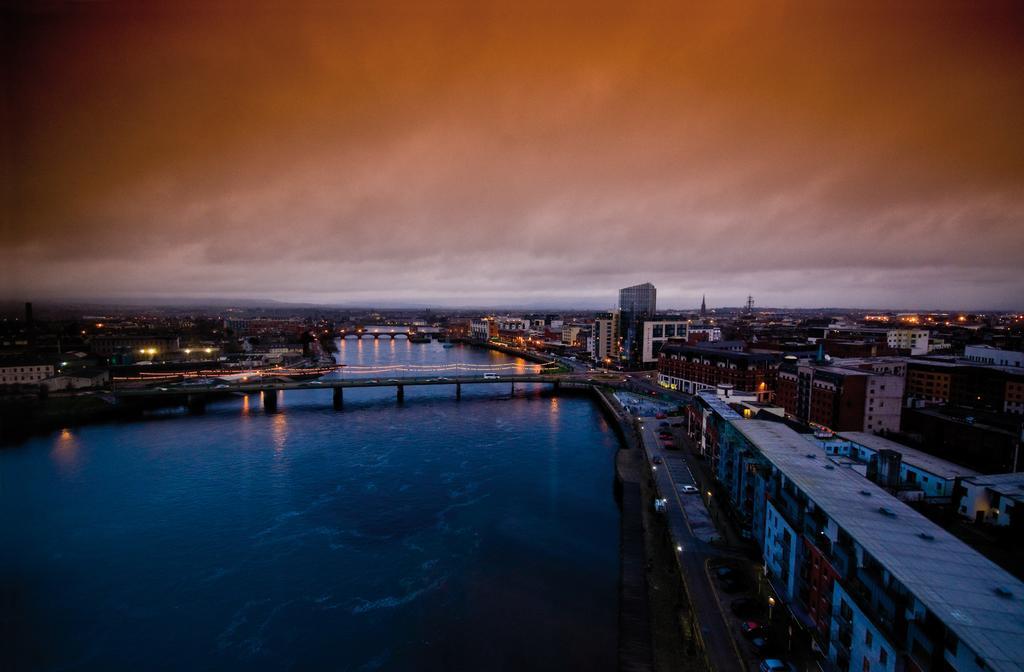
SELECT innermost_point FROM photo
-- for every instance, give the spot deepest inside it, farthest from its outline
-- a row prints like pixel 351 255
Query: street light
pixel 771 605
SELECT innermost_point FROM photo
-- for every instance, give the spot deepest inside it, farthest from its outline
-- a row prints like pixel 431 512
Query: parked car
pixel 663 424
pixel 687 489
pixel 724 572
pixel 659 416
pixel 751 629
pixel 657 459
pixel 760 644
pixel 776 665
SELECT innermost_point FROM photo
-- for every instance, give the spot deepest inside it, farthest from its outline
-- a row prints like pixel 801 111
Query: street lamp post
pixel 771 605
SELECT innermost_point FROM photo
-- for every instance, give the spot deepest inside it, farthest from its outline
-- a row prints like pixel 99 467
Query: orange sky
pixel 863 154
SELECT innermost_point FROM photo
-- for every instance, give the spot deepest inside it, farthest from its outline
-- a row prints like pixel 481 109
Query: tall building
pixel 604 341
pixel 636 304
pixel 640 299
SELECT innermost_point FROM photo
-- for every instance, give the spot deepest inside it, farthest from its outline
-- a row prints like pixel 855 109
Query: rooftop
pixel 913 456
pixel 718 405
pixel 719 350
pixel 1007 485
pixel 980 602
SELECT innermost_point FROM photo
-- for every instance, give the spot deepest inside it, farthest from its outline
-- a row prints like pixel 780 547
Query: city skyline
pixel 473 156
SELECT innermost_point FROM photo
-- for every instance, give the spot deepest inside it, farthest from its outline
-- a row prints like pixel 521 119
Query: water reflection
pixel 66 453
pixel 279 430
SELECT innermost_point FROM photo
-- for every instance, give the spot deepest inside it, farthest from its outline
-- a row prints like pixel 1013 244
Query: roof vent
pixel 1002 592
pixel 811 456
pixel 866 493
pixel 886 512
pixel 829 467
pixel 926 536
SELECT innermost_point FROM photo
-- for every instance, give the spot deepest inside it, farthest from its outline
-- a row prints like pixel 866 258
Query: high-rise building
pixel 636 304
pixel 605 336
pixel 640 299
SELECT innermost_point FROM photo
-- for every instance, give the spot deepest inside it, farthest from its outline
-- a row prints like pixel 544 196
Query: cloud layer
pixel 469 155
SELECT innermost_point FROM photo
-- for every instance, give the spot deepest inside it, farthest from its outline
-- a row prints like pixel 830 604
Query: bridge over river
pixel 195 396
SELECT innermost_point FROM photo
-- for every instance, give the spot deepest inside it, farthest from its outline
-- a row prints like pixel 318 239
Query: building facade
pixel 483 330
pixel 913 340
pixel 24 371
pixel 877 585
pixel 636 304
pixel 966 383
pixel 656 333
pixel 986 354
pixel 694 368
pixel 604 341
pixel 993 499
pixel 859 395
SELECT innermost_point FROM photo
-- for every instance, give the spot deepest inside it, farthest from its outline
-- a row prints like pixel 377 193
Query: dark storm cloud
pixel 470 154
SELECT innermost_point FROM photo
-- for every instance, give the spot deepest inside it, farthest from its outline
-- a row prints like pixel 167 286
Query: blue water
pixel 437 534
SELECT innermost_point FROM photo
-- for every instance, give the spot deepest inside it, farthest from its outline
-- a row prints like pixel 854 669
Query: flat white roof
pixel 912 456
pixel 955 582
pixel 1008 485
pixel 718 405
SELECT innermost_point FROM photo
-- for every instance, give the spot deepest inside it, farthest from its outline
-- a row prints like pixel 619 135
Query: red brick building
pixel 702 367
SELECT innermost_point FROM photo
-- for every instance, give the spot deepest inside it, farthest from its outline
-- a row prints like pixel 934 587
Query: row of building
pixel 871 581
pixel 632 335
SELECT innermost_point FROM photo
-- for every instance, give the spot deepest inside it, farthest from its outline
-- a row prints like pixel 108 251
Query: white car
pixel 687 489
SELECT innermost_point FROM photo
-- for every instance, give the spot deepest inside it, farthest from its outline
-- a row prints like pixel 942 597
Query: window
pixel 883 656
pixel 867 637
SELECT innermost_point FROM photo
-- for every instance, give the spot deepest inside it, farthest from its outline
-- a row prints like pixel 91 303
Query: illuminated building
pixel 636 304
pixel 875 584
pixel 604 342
pixel 694 368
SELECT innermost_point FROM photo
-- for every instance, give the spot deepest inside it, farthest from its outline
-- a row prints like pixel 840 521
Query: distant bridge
pixel 375 332
pixel 196 396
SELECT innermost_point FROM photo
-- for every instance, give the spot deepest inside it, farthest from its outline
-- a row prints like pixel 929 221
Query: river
pixel 434 534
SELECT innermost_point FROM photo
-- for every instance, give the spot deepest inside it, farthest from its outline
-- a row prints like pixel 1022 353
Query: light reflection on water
pixel 434 534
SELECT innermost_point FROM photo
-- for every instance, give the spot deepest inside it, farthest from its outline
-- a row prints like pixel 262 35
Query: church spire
pixel 703 306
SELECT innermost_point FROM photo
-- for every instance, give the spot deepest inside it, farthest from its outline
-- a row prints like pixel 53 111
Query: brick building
pixel 692 368
pixel 860 395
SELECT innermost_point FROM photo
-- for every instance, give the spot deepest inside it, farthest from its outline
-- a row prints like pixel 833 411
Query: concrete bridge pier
pixel 556 385
pixel 458 391
pixel 339 398
pixel 270 401
pixel 513 388
pixel 401 393
pixel 196 404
